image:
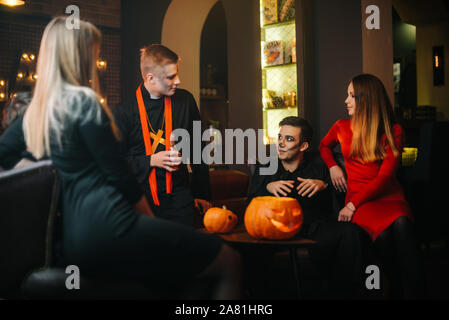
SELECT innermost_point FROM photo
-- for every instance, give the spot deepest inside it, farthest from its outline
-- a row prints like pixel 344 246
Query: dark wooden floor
pixel 277 282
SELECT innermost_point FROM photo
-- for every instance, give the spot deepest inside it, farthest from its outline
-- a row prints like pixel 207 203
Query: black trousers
pixel 177 207
pixel 401 261
pixel 341 254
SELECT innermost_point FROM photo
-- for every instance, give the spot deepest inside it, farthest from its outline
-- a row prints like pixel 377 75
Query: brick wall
pixel 100 12
pixel 21 31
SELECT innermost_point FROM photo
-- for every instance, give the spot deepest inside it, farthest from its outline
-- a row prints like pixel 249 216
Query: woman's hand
pixel 143 207
pixel 338 178
pixel 311 186
pixel 346 213
pixel 280 188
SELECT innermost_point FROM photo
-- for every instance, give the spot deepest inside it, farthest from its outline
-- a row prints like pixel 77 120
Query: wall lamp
pixel 438 66
pixel 12 3
pixel 101 64
pixel 3 90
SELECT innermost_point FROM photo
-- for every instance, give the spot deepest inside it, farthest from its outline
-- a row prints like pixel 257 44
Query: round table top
pixel 239 235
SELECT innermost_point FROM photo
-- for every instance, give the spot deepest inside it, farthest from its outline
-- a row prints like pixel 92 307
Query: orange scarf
pixel 147 140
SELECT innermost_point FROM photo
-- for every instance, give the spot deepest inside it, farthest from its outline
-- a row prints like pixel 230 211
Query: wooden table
pixel 239 237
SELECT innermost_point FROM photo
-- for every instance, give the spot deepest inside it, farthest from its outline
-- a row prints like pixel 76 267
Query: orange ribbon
pixel 147 139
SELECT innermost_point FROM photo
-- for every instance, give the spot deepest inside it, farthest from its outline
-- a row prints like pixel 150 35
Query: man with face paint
pixel 338 253
pixel 299 175
pixel 146 121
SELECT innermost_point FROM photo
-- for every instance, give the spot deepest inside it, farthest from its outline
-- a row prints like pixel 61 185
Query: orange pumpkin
pixel 273 218
pixel 219 220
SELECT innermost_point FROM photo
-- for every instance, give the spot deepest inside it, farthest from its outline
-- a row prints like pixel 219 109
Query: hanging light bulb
pixel 101 64
pixel 32 56
pixel 20 75
pixel 12 3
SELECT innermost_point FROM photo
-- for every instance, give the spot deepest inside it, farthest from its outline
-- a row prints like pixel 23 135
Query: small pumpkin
pixel 219 220
pixel 273 218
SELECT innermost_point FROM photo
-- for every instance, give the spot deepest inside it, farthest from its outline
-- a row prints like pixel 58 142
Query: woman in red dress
pixel 371 144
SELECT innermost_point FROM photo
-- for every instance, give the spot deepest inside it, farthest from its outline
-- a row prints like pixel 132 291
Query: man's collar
pixel 146 94
pixel 302 164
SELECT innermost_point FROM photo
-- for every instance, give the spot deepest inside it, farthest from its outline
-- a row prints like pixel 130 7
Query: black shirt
pixel 318 207
pixel 184 112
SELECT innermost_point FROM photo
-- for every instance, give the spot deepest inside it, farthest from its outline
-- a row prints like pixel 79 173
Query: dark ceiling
pixel 419 12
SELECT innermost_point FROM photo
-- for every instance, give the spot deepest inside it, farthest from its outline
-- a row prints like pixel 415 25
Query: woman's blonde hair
pixel 373 117
pixel 67 70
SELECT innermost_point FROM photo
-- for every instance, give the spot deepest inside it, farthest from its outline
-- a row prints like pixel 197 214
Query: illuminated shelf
pixel 280 66
pixel 282 108
pixel 278 24
pixel 278 45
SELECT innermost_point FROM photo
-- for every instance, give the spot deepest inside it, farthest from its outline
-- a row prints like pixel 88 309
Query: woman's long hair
pixel 66 67
pixel 373 117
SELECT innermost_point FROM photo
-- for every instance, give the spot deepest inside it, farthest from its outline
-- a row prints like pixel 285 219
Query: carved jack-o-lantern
pixel 273 218
pixel 218 220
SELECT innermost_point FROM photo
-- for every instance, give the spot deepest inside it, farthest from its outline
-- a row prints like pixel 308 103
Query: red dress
pixel 372 186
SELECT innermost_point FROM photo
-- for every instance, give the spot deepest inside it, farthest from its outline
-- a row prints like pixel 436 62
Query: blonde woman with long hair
pixel 108 226
pixel 371 143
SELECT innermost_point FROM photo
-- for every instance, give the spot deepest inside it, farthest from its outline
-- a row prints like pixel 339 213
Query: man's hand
pixel 202 205
pixel 280 188
pixel 168 160
pixel 347 212
pixel 338 178
pixel 310 186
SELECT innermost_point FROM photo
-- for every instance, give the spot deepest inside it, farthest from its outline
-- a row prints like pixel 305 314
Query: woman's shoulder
pixel 342 124
pixel 397 129
pixel 81 103
pixel 77 95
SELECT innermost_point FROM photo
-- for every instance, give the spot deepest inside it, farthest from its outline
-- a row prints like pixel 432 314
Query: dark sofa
pixel 30 231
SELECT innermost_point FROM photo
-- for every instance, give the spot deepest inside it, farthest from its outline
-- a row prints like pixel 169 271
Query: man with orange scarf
pixel 146 122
